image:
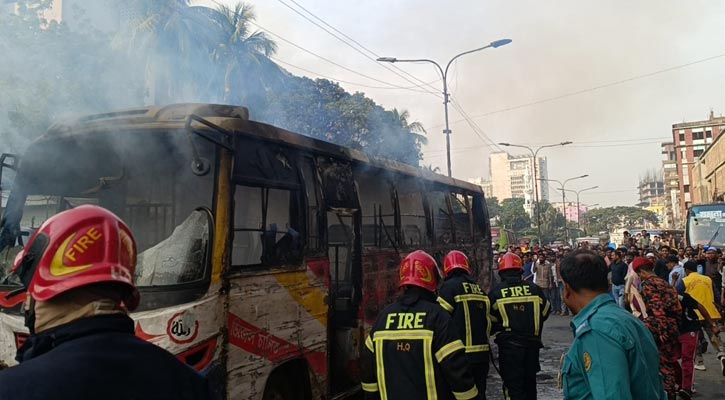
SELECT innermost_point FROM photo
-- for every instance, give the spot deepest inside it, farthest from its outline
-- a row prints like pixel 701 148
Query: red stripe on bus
pixel 263 344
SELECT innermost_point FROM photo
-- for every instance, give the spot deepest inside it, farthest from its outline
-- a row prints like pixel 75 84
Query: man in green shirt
pixel 613 355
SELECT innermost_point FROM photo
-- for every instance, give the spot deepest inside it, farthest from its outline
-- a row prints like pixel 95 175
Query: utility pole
pixel 535 160
pixel 446 95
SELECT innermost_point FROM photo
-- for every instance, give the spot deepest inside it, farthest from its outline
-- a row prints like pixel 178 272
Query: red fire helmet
pixel 79 247
pixel 510 261
pixel 455 260
pixel 418 269
pixel 639 262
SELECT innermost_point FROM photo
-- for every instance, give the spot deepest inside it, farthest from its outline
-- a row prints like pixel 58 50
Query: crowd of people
pixel 678 292
pixel 642 319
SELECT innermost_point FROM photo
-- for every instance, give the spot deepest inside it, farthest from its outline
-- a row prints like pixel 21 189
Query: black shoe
pixel 684 394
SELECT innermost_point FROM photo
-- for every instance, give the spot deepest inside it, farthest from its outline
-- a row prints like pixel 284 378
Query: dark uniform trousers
pixel 413 352
pixel 519 365
pixel 469 307
pixel 518 310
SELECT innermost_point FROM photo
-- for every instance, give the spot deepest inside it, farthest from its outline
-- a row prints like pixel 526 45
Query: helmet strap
pixel 30 314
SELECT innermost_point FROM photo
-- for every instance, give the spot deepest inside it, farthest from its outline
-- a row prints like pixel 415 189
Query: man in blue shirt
pixel 613 355
pixel 677 272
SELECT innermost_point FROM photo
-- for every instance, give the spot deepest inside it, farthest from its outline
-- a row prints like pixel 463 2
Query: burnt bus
pixel 264 255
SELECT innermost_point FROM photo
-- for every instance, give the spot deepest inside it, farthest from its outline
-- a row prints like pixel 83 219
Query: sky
pixel 559 48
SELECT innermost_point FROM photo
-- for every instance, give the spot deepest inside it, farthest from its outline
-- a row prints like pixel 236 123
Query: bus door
pixel 345 333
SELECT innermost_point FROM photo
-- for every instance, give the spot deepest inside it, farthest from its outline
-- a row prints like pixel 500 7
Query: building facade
pixel 651 190
pixel 485 184
pixel 708 184
pixel 690 141
pixel 570 211
pixel 671 216
pixel 512 176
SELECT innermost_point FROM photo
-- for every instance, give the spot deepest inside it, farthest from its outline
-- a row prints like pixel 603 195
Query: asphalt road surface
pixel 557 336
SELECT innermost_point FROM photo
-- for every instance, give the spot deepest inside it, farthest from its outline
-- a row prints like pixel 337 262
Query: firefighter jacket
pixel 469 307
pixel 98 358
pixel 518 311
pixel 413 352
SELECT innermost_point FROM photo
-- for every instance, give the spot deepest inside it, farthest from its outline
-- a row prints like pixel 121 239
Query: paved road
pixel 709 384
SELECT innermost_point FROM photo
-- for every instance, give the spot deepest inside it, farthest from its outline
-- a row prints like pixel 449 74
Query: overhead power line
pixel 372 56
pixel 277 60
pixel 593 88
pixel 592 144
pixel 419 84
pixel 344 41
pixel 312 53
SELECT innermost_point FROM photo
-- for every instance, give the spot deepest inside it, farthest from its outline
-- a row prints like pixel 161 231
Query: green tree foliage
pixel 49 71
pixel 610 218
pixel 513 215
pixel 552 222
pixel 174 52
pixel 494 209
pixel 322 109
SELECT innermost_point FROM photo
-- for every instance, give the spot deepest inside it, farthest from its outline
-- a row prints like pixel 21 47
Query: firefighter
pixel 413 350
pixel 469 306
pixel 78 271
pixel 518 312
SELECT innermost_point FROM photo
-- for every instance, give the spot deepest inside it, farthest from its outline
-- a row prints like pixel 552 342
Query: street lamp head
pixel 504 144
pixel 387 59
pixel 565 143
pixel 583 176
pixel 500 42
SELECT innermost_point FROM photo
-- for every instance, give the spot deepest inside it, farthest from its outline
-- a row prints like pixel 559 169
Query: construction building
pixel 671 216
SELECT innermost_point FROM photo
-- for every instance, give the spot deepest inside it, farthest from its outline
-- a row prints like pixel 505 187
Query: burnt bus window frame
pixel 432 188
pixel 246 149
pixel 481 222
pixel 158 296
pixel 403 181
pixel 181 293
pixel 471 200
pixel 313 186
pixel 383 236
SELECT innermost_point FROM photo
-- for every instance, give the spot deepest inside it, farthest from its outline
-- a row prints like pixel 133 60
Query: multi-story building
pixel 708 184
pixel 651 190
pixel 570 211
pixel 691 139
pixel 485 184
pixel 671 216
pixel 512 176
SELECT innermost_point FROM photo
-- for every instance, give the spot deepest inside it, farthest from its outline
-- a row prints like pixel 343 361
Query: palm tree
pixel 175 41
pixel 415 128
pixel 244 54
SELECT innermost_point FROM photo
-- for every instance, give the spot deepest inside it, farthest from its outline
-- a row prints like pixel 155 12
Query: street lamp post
pixel 578 192
pixel 534 153
pixel 563 198
pixel 444 75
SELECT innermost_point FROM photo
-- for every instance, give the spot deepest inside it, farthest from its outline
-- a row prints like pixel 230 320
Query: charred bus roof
pixel 235 120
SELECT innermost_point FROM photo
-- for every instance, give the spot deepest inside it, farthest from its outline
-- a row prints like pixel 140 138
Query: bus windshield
pixel 705 225
pixel 143 177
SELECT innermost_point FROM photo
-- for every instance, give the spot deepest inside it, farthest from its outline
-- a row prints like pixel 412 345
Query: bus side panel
pixel 380 283
pixel 274 317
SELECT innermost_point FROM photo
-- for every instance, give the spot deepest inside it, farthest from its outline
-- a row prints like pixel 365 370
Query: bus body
pixel 264 255
pixel 705 225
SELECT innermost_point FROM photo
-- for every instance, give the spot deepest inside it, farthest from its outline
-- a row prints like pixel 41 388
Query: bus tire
pixel 288 382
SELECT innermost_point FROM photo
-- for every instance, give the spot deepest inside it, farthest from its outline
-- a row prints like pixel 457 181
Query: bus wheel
pixel 288 382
